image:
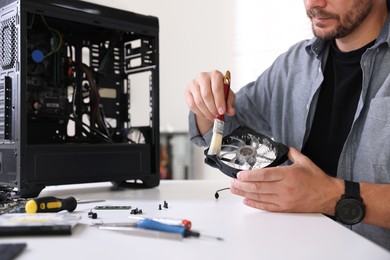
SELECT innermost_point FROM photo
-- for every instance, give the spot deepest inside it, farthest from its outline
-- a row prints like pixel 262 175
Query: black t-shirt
pixel 336 107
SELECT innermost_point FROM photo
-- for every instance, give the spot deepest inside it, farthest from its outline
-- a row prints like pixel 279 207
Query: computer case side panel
pixel 9 93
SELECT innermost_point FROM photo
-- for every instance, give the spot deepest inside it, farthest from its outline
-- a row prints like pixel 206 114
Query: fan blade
pixel 255 142
pixel 229 146
pixel 269 156
pixel 237 139
pixel 233 160
pixel 223 153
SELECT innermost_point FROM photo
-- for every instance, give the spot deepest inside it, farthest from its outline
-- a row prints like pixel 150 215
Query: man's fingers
pixel 205 96
pixel 258 200
pixel 264 187
pixel 293 154
pixel 218 92
pixel 198 96
pixel 265 174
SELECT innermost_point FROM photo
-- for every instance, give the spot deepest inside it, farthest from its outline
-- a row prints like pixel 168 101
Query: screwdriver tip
pixel 213 237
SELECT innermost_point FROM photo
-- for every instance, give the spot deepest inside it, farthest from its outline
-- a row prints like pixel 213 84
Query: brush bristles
pixel 216 140
pixel 215 146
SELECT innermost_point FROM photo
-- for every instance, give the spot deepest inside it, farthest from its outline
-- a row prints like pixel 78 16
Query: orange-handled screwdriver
pixel 50 204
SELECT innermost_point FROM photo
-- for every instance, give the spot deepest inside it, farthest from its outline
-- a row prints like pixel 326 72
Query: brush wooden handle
pixel 226 89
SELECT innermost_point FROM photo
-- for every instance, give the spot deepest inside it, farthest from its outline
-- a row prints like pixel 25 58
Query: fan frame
pixel 215 161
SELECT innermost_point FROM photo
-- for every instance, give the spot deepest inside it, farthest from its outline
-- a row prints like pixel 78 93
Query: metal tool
pixel 89 201
pixel 152 225
pixel 142 232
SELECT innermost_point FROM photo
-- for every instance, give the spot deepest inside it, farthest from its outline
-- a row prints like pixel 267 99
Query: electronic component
pixel 244 149
pixel 12 206
pixel 78 95
pixel 112 207
pixel 11 250
pixel 37 224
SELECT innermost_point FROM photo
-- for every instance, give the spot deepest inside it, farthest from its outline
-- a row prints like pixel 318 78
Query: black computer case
pixel 79 95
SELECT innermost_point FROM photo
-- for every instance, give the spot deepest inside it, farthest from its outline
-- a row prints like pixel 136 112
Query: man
pixel 329 100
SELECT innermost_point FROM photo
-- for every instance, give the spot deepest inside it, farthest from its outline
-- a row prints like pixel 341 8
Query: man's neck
pixel 368 31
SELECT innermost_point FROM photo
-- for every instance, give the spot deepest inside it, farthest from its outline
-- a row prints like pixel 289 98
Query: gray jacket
pixel 282 101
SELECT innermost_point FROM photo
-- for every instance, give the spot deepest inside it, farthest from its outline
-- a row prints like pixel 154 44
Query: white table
pixel 248 233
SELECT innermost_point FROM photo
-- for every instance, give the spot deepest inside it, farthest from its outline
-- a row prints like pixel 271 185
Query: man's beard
pixel 347 24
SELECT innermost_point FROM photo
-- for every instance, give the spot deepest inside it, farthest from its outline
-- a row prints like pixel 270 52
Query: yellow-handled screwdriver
pixel 50 204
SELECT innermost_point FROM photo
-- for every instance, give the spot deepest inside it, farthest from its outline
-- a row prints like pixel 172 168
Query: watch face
pixel 350 211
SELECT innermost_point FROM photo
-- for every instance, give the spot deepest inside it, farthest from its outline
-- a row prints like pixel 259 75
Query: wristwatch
pixel 350 209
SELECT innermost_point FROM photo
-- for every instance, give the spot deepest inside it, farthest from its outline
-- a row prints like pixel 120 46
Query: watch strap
pixel 352 190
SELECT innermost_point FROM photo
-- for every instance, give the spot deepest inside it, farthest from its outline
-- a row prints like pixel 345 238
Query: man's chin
pixel 324 34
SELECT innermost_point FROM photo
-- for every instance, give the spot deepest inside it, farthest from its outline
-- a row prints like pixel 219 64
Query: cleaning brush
pixel 219 121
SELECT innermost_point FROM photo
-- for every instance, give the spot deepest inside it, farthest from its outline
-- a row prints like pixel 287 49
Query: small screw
pixel 92 215
pixel 136 211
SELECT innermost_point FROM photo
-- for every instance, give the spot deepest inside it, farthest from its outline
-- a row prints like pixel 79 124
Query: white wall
pixel 244 36
pixel 263 30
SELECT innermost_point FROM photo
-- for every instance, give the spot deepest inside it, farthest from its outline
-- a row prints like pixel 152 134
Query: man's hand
pixel 205 97
pixel 300 187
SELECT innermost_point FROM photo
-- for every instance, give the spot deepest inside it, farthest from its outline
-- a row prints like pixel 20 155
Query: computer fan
pixel 244 149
